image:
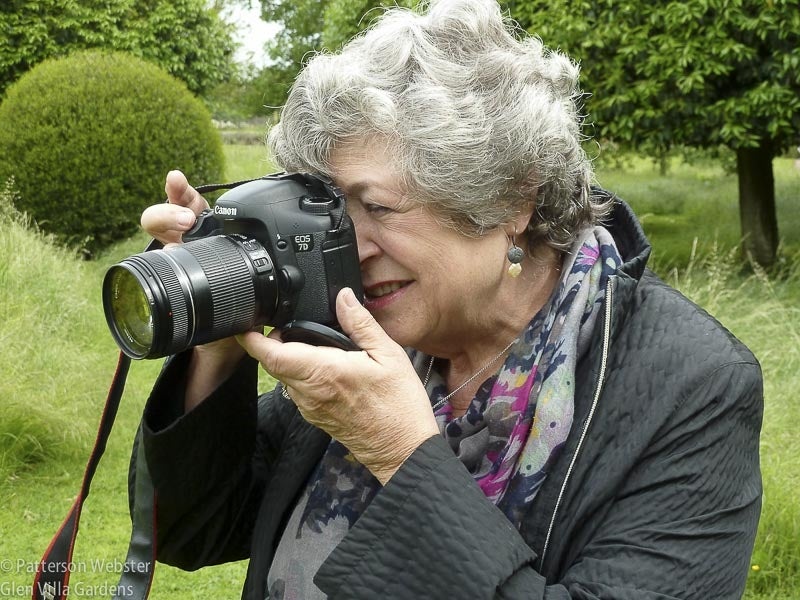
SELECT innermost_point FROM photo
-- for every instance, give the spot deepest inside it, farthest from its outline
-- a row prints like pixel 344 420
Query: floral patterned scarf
pixel 512 431
pixel 520 418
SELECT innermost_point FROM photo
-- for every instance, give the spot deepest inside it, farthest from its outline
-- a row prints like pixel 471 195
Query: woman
pixel 533 412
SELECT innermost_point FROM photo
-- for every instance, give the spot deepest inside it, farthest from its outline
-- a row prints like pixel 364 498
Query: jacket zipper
pixel 600 381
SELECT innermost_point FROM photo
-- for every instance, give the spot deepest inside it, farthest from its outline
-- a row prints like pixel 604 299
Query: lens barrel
pixel 161 302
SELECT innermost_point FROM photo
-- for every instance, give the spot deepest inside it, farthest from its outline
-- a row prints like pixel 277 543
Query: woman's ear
pixel 519 224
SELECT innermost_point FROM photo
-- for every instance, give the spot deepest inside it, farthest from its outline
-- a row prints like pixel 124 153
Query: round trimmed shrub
pixel 89 138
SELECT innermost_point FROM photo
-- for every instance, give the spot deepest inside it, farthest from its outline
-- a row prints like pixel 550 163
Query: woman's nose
pixel 367 247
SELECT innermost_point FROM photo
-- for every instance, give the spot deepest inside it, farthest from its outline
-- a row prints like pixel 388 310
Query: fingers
pixel 258 346
pixel 298 361
pixel 290 361
pixel 357 322
pixel 168 222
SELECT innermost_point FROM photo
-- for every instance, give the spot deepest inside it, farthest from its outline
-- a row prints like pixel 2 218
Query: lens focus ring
pixel 230 281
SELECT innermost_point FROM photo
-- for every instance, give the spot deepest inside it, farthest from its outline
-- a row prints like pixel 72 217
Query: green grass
pixel 698 201
pixel 247 161
pixel 57 359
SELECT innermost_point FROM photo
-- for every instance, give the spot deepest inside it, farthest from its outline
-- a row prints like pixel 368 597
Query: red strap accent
pixel 52 574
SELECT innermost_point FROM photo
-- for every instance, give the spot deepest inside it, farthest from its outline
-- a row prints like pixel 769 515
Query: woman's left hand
pixel 371 401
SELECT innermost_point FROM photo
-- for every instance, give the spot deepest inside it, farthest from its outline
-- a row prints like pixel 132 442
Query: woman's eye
pixel 377 209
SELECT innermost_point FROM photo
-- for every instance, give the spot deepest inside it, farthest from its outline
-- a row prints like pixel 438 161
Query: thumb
pixel 181 193
pixel 361 326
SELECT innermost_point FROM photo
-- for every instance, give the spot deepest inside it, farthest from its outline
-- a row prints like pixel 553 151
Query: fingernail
pixel 349 298
pixel 186 219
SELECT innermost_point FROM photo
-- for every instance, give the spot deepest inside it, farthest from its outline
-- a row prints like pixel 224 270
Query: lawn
pixel 57 359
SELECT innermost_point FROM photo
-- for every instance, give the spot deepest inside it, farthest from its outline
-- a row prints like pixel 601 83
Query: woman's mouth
pixel 382 294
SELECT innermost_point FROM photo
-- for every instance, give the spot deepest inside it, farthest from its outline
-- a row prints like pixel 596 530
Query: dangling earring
pixel 515 255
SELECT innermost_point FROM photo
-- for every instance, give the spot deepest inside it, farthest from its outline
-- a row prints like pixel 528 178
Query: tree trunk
pixel 757 203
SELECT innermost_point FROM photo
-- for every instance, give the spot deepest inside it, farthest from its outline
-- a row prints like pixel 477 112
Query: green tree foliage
pixel 184 37
pixel 252 93
pixel 301 23
pixel 345 18
pixel 89 138
pixel 309 26
pixel 699 73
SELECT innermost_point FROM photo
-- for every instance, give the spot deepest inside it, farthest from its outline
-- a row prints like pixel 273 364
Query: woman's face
pixel 428 286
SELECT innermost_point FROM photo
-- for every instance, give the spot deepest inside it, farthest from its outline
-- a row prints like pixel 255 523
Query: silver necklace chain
pixel 441 402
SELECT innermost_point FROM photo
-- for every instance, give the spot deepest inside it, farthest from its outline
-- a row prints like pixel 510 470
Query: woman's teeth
pixel 384 289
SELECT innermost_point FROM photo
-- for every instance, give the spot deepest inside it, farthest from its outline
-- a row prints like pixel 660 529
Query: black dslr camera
pixel 274 251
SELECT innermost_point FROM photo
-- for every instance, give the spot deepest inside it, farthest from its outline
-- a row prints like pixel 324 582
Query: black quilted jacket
pixel 656 494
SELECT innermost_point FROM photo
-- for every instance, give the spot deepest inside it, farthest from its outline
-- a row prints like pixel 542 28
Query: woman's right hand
pixel 211 363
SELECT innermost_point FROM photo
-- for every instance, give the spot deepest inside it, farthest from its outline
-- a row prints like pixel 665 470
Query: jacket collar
pixel 634 248
pixel 632 243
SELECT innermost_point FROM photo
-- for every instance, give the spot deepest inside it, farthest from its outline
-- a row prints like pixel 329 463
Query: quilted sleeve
pixel 202 465
pixel 429 533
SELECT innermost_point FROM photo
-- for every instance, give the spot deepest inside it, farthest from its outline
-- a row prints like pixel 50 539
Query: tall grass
pixel 57 358
pixel 48 340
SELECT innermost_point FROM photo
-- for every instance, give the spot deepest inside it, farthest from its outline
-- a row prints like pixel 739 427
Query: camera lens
pixel 161 302
pixel 131 309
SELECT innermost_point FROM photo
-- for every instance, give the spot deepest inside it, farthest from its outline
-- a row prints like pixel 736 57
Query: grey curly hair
pixel 480 122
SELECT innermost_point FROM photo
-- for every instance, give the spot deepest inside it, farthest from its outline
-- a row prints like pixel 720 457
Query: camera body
pixel 309 244
pixel 273 251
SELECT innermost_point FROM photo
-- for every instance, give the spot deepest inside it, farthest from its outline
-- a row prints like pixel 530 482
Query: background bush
pixel 89 138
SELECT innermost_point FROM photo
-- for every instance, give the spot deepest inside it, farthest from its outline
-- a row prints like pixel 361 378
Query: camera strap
pixel 53 570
